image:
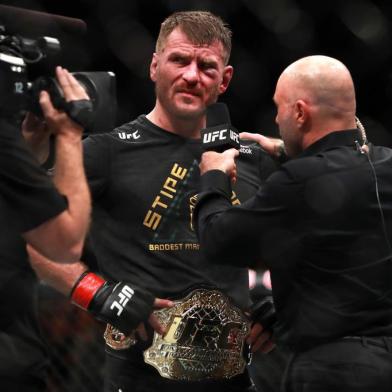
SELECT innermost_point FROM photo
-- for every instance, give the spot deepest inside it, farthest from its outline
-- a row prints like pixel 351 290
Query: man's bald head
pixel 314 96
pixel 322 81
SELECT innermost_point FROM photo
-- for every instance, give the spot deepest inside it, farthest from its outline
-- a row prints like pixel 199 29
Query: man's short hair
pixel 201 28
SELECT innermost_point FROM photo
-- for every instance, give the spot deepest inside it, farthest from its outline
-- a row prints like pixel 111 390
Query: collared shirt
pixel 322 225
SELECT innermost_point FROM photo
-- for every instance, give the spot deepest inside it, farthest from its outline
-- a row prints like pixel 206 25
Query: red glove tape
pixel 85 290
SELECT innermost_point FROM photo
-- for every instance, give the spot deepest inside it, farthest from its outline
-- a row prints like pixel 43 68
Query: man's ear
pixel 153 67
pixel 227 75
pixel 301 111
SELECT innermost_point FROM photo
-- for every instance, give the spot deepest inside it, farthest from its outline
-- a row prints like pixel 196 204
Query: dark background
pixel 267 36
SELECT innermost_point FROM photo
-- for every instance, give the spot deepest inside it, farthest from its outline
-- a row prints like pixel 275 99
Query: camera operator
pixel 54 225
pixel 54 221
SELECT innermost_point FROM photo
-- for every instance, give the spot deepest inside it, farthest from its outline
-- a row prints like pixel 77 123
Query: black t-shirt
pixel 27 199
pixel 144 181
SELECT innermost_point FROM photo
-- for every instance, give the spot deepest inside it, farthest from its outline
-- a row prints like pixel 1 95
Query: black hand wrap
pixel 81 111
pixel 263 312
pixel 120 304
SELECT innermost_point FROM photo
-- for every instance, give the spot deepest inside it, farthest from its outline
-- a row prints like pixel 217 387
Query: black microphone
pixel 219 135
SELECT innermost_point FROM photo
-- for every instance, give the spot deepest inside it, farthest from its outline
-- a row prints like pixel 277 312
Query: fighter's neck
pixel 186 127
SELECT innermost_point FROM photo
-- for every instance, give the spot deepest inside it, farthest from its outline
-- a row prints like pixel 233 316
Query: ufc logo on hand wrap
pixel 124 296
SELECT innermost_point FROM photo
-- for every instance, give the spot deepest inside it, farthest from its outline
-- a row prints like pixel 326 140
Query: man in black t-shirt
pixel 144 177
pixel 52 217
pixel 321 224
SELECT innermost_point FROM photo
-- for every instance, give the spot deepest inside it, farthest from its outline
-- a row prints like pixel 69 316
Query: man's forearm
pixel 120 304
pixel 61 277
pixel 229 234
pixel 62 237
pixel 69 176
pixel 70 180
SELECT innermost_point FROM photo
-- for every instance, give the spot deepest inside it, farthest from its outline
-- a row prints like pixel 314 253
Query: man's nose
pixel 191 73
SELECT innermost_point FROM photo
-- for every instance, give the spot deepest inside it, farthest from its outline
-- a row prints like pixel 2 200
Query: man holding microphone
pixel 322 225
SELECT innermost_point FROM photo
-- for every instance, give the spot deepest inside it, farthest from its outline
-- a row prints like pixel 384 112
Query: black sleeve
pixel 267 165
pixel 96 158
pixel 241 235
pixel 25 187
pixel 259 292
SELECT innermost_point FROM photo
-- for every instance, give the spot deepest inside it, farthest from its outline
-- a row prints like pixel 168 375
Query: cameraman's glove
pixel 263 312
pixel 120 304
pixel 81 111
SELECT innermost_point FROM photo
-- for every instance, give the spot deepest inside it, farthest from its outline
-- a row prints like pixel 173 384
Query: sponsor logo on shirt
pixel 127 136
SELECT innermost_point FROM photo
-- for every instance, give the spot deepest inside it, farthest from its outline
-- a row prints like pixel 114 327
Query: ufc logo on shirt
pixel 124 296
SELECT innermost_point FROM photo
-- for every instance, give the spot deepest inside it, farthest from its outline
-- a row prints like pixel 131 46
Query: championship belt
pixel 205 338
pixel 116 340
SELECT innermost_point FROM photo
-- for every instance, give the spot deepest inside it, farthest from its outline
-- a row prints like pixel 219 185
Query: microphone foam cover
pixel 217 114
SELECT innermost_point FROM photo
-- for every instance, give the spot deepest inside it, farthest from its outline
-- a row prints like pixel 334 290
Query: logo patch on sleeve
pixel 129 136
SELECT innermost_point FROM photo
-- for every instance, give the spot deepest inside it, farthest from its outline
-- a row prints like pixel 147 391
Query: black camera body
pixel 18 94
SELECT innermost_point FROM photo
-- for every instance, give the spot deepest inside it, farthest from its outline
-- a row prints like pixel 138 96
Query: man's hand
pixel 262 313
pixel 64 278
pixel 225 161
pixel 159 303
pixel 260 339
pixel 36 135
pixel 61 237
pixel 273 146
pixel 59 121
pixel 120 304
pixel 36 131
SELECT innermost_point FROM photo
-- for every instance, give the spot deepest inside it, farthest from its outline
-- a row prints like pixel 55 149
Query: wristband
pixel 85 289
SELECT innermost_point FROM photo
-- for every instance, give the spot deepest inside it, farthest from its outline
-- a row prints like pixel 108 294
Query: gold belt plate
pixel 117 340
pixel 205 338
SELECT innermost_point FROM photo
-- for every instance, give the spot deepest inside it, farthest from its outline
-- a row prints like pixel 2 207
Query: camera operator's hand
pixel 36 131
pixel 58 121
pixel 61 238
pixel 36 134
